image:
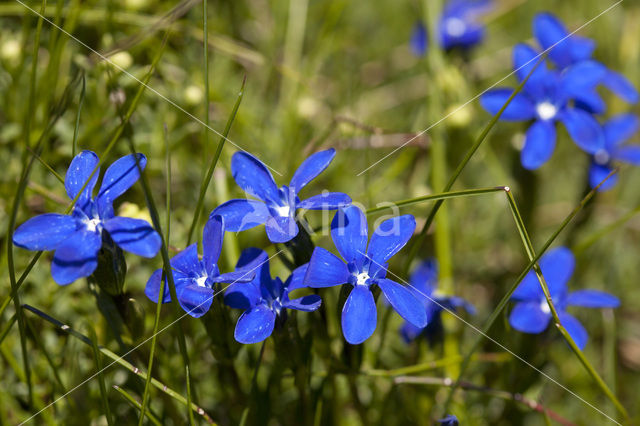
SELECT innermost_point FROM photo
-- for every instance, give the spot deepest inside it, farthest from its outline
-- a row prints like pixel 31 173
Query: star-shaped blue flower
pixel 616 131
pixel 196 279
pixel 265 299
pixel 571 49
pixel 458 25
pixel 277 207
pixel 545 99
pixel 365 267
pixel 532 315
pixel 423 283
pixel 78 237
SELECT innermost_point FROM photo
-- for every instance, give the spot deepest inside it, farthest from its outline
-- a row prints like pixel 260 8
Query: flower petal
pixel 404 302
pixel 134 235
pixel 575 329
pixel 325 270
pixel 76 257
pixel 212 238
pixel 565 49
pixel 622 87
pixel 195 300
pixel 598 173
pixel 590 101
pixel 581 77
pixel 583 129
pixel 325 201
pixel 118 178
pixel 240 215
pixel 242 295
pixel 359 315
pixel 152 289
pixel 419 39
pixel 253 176
pixel 628 154
pixel 525 59
pixel 349 233
pixel 390 237
pixel 311 168
pixel 557 266
pixel 234 277
pixel 539 144
pixel 425 277
pixel 620 128
pixel 255 325
pixel 44 232
pixel 520 108
pixel 410 332
pixel 529 318
pixel 296 279
pixel 307 303
pixel 187 260
pixel 281 229
pixel 592 299
pixel 78 173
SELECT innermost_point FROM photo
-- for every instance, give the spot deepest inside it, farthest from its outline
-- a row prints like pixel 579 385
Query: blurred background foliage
pixel 319 74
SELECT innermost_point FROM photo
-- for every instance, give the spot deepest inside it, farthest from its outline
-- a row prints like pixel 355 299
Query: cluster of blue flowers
pixel 92 226
pixel 567 93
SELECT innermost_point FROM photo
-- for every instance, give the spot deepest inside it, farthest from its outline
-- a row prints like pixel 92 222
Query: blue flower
pixel 78 237
pixel 423 284
pixel 449 420
pixel 265 299
pixel 616 131
pixel 569 50
pixel 545 99
pixel 195 279
pixel 458 26
pixel 277 207
pixel 532 314
pixel 364 268
pixel 419 39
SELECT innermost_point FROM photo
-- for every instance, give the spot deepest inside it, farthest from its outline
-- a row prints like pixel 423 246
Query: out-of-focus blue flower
pixel 195 279
pixel 277 206
pixel 449 420
pixel 458 25
pixel 616 131
pixel 419 39
pixel 365 267
pixel 78 237
pixel 423 283
pixel 264 299
pixel 532 314
pixel 545 100
pixel 567 50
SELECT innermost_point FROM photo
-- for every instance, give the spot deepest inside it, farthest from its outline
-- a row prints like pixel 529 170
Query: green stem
pixel 137 405
pixel 100 371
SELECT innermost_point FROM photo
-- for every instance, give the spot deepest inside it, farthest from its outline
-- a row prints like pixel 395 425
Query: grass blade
pixel 137 405
pixel 103 388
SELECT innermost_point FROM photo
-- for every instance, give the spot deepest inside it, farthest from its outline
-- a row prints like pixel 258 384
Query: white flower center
pixel 601 157
pixel 455 27
pixel 92 224
pixel 201 281
pixel 544 306
pixel 362 278
pixel 546 110
pixel 283 211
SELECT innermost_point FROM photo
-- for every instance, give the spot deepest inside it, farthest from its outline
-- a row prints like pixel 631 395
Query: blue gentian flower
pixel 545 99
pixel 78 237
pixel 449 420
pixel 458 25
pixel 616 131
pixel 419 39
pixel 549 31
pixel 423 283
pixel 196 279
pixel 265 299
pixel 365 267
pixel 277 207
pixel 532 314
